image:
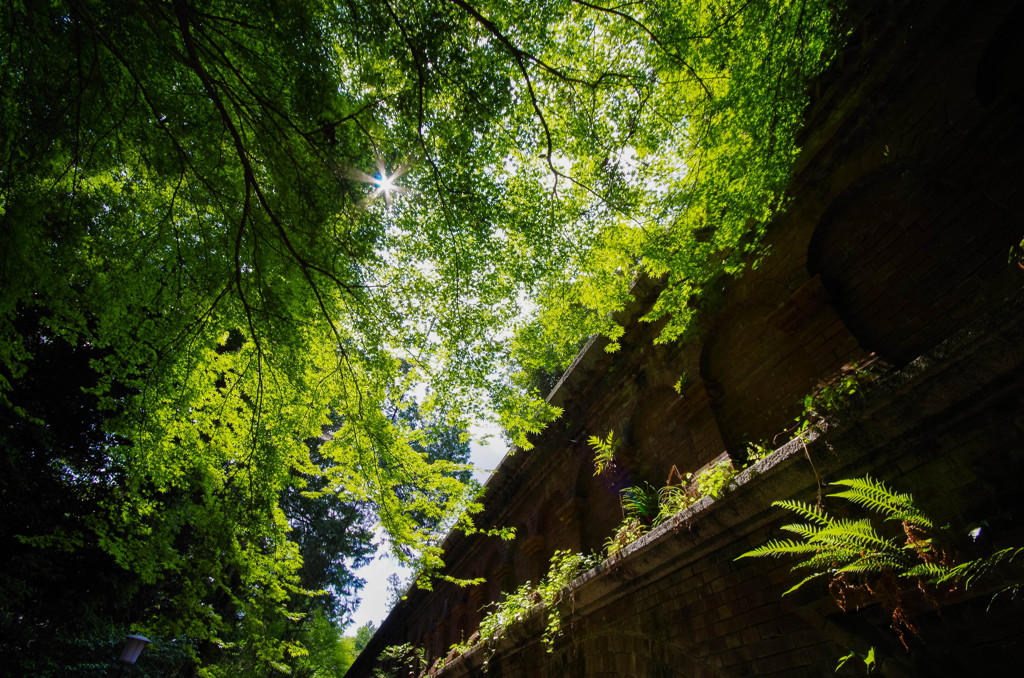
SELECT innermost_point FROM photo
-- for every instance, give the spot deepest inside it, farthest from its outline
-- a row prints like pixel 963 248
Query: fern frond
pixel 808 511
pixel 981 568
pixel 802 582
pixel 830 560
pixel 858 568
pixel 640 502
pixel 855 532
pixel 840 526
pixel 779 548
pixel 1012 589
pixel 930 572
pixel 672 493
pixel 803 529
pixel 876 495
pixel 874 562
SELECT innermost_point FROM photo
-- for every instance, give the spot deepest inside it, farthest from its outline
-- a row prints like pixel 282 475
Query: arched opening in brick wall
pixel 766 354
pixel 519 559
pixel 890 253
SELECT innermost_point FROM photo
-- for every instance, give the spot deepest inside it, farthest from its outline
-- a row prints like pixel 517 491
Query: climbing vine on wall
pixel 549 591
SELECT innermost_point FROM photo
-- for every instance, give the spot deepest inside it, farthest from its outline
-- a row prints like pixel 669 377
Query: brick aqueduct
pixel 908 196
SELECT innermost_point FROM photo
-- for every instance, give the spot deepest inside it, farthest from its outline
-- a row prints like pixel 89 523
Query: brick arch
pixel 889 252
pixel 476 601
pixel 440 625
pixel 421 635
pixel 765 353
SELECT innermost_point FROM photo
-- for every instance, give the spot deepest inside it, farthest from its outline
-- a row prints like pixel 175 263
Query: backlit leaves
pixel 177 198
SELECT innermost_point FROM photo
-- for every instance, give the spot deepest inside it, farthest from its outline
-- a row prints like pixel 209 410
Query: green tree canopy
pixel 363 635
pixel 249 217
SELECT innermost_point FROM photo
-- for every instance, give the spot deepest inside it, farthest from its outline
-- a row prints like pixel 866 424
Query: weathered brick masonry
pixel 907 198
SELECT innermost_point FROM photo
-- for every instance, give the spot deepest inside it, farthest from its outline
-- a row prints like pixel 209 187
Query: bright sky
pixel 485 458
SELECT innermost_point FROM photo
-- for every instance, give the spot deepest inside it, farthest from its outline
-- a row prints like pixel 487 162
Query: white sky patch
pixel 561 163
pixel 487 449
pixel 373 606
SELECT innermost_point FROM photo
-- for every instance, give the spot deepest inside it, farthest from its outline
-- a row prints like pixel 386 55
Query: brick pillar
pixel 428 644
pixel 441 638
pixel 533 549
pixel 477 599
pixel 701 402
pixel 457 631
pixel 504 576
pixel 570 514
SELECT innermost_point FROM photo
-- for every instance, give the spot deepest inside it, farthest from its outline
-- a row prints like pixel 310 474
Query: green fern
pixel 803 581
pixel 876 496
pixel 803 530
pixel 604 452
pixel 808 511
pixel 874 562
pixel 853 555
pixel 779 548
pixel 931 572
pixel 640 502
pixel 836 546
pixel 859 533
pixel 997 566
pixel 672 499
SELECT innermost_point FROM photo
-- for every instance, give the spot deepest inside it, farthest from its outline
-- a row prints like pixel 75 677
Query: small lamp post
pixel 132 649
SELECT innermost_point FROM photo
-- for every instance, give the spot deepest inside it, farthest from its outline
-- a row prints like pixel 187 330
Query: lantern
pixel 132 648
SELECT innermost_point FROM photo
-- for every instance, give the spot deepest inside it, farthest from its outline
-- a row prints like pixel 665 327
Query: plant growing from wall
pixel 399 661
pixel 604 452
pixel 684 382
pixel 644 509
pixel 626 533
pixel 868 660
pixel 758 451
pixel 711 482
pixel 837 393
pixel 1017 254
pixel 1004 567
pixel 640 506
pixel 638 519
pixel 640 503
pixel 550 591
pixel 641 511
pixel 864 563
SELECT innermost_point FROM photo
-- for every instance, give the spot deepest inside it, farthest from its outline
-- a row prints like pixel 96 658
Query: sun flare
pixel 385 184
